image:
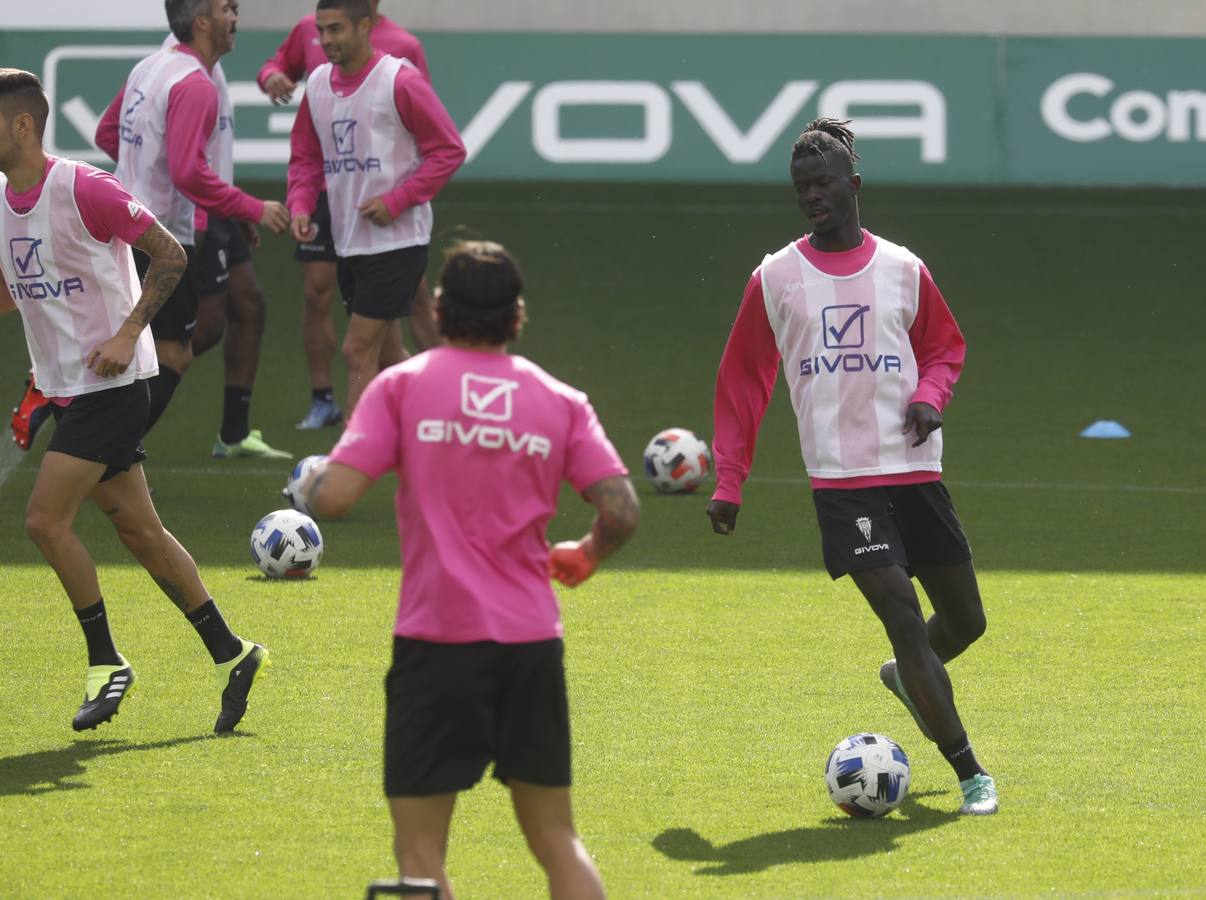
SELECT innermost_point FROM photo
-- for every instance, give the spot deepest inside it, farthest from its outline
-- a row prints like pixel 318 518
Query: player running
pixel 480 441
pixel 173 135
pixel 67 229
pixel 299 54
pixel 372 130
pixel 870 352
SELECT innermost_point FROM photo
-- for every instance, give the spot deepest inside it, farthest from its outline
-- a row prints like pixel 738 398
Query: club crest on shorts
pixel 864 525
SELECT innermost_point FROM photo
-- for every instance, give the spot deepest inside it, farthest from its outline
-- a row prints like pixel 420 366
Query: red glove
pixel 572 562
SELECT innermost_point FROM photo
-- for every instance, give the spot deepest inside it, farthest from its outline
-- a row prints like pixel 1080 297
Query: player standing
pixel 171 132
pixel 299 54
pixel 372 130
pixel 68 229
pixel 870 351
pixel 480 441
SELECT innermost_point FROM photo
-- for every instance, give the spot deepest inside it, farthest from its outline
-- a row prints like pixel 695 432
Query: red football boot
pixel 29 415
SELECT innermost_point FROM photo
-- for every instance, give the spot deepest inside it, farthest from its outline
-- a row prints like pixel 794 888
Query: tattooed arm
pixel 168 261
pixel 616 518
pixel 332 489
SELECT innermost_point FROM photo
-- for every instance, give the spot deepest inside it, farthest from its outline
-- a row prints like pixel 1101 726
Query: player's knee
pixel 139 538
pixel 249 306
pixel 970 626
pixel 42 528
pixel 318 299
pixel 420 859
pixel 550 843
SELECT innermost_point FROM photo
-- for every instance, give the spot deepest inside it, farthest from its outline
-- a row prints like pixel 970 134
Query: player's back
pixel 481 442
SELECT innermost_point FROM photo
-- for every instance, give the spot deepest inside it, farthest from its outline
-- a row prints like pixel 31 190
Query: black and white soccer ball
pixel 676 461
pixel 867 775
pixel 286 544
pixel 292 489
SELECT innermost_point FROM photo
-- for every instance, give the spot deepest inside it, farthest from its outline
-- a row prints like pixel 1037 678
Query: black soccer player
pixel 870 351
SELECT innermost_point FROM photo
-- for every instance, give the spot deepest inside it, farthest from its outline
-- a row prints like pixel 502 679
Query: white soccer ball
pixel 676 461
pixel 286 544
pixel 292 489
pixel 867 775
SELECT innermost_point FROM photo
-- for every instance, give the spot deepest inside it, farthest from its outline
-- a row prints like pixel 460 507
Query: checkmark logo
pixel 344 133
pixel 483 397
pixel 843 325
pixel 26 259
pixel 137 97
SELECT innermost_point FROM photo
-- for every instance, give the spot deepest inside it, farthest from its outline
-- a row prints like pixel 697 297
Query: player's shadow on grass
pixel 838 839
pixel 60 770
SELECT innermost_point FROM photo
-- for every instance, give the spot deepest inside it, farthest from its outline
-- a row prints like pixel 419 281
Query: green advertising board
pixel 948 110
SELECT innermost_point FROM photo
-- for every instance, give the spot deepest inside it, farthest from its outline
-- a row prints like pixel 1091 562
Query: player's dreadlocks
pixel 822 135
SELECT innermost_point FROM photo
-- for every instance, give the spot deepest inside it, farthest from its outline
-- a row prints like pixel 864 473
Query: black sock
pixel 959 754
pixel 236 414
pixel 219 640
pixel 327 394
pixel 162 387
pixel 95 623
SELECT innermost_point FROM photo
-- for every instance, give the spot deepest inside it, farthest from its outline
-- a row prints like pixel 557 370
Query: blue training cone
pixel 1105 428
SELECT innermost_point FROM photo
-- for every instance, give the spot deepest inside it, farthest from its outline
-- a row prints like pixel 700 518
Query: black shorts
pixel 224 248
pixel 382 285
pixel 904 525
pixel 105 427
pixel 177 317
pixel 452 708
pixel 322 248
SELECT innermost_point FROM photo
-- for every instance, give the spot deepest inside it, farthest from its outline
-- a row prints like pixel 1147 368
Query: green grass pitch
pixel 709 677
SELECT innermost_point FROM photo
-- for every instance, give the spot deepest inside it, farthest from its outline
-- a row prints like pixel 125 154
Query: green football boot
pixel 104 689
pixel 234 679
pixel 891 679
pixel 253 446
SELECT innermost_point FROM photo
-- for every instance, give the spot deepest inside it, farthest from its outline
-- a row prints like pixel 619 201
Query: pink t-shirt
pixel 301 53
pixel 105 205
pixel 480 443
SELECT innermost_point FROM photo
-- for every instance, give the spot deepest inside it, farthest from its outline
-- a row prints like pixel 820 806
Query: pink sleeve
pixel 107 208
pixel 938 345
pixel 590 456
pixel 744 385
pixel 439 143
pixel 108 129
pixel 191 117
pixel 290 56
pixel 305 164
pixel 372 441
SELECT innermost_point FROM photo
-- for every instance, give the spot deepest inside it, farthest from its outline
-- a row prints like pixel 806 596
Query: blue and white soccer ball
pixel 676 461
pixel 286 544
pixel 867 775
pixel 292 489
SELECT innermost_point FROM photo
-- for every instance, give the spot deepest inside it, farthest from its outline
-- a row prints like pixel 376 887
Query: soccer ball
pixel 676 461
pixel 292 489
pixel 867 775
pixel 286 544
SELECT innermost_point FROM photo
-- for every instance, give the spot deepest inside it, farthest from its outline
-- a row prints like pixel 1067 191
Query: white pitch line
pixel 1030 486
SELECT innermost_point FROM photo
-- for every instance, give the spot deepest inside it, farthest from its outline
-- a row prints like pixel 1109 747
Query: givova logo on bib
pixel 843 328
pixel 343 134
pixel 487 399
pixel 27 265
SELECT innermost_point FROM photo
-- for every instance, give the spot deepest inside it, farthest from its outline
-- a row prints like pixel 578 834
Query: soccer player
pixel 173 140
pixel 870 352
pixel 480 441
pixel 68 229
pixel 372 130
pixel 301 53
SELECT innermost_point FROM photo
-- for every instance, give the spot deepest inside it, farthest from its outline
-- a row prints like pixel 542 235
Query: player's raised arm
pixel 617 513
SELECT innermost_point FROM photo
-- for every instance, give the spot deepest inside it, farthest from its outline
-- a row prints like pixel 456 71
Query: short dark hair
pixel 823 136
pixel 180 16
pixel 21 92
pixel 479 293
pixel 355 9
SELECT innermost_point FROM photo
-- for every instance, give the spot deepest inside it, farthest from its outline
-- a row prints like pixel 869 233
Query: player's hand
pixel 279 87
pixel 251 234
pixel 376 212
pixel 572 562
pixel 924 419
pixel 113 357
pixel 304 231
pixel 275 217
pixel 724 516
